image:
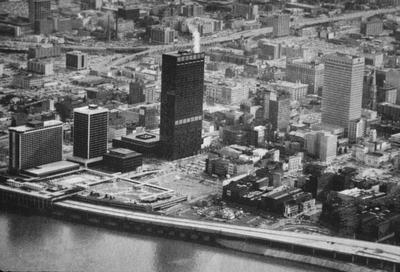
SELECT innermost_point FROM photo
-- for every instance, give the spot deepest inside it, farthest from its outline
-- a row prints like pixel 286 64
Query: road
pixel 210 40
pixel 255 32
pixel 378 251
pixel 342 17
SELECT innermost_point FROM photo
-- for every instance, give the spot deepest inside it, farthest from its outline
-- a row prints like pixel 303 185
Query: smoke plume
pixel 196 37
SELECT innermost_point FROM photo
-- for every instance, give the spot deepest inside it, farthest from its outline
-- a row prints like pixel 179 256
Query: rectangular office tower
pixel 34 144
pixel 39 10
pixel 343 88
pixel 76 60
pixel 90 133
pixel 181 117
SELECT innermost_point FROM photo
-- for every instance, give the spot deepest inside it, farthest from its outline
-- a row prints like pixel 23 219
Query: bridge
pixel 360 255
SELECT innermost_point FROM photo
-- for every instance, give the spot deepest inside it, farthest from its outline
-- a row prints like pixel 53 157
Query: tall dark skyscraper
pixel 39 10
pixel 34 144
pixel 182 86
pixel 90 132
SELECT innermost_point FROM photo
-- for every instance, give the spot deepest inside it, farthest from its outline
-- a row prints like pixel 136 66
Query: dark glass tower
pixel 182 86
pixel 90 132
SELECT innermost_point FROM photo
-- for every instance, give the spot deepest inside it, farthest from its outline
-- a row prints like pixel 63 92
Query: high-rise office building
pixel 90 132
pixel 279 111
pixel 34 144
pixel 76 60
pixel 280 24
pixel 247 11
pixel 136 92
pixel 39 10
pixel 162 35
pixel 182 87
pixel 343 88
pixel 327 146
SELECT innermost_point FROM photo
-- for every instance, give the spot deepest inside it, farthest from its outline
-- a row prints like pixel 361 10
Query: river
pixel 38 243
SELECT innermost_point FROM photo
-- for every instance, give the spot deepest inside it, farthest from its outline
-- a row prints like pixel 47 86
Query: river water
pixel 39 243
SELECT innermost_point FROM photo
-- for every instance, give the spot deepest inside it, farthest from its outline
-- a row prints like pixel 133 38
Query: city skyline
pixel 199 135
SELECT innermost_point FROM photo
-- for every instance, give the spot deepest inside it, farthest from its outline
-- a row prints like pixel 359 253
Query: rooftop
pixel 46 124
pixel 289 84
pixel 123 152
pixel 51 168
pixel 185 55
pixel 143 137
pixel 91 109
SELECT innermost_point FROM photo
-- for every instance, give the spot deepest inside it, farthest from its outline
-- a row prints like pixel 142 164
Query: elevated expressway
pixel 340 250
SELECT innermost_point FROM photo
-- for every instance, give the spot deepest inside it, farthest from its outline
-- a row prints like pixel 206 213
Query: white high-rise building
pixel 343 87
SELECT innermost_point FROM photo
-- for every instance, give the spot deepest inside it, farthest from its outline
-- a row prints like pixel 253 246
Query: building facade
pixel 343 88
pixel 182 86
pixel 34 144
pixel 76 60
pixel 162 35
pixel 44 51
pixel 307 73
pixel 39 10
pixel 280 24
pixel 40 67
pixel 91 4
pixel 136 92
pixel 372 27
pixel 279 112
pixel 246 11
pixel 123 160
pixel 90 132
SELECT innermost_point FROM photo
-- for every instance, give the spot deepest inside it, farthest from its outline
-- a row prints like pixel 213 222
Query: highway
pixel 342 17
pixel 255 32
pixel 377 251
pixel 207 41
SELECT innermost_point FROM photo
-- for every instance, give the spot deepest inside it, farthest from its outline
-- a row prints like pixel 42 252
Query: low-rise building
pixel 145 143
pixel 162 35
pixel 40 67
pixel 27 82
pixel 122 160
pixel 297 91
pixel 308 73
pixel 372 27
pixel 268 50
pixel 44 51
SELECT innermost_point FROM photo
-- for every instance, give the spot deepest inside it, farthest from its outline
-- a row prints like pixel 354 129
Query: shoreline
pixel 243 246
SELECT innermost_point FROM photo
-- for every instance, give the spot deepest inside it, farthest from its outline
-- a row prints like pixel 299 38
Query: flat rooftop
pixel 289 84
pixel 145 137
pixel 46 124
pixel 123 152
pixel 49 168
pixel 76 178
pixel 91 109
pixel 185 55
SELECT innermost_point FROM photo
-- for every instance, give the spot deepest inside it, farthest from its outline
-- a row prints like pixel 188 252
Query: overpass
pixel 255 32
pixel 343 17
pixel 355 255
pixel 147 50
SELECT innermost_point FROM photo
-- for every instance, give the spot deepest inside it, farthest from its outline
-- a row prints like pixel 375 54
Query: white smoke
pixel 196 37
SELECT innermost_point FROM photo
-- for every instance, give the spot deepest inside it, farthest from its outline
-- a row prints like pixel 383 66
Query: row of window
pixel 188 120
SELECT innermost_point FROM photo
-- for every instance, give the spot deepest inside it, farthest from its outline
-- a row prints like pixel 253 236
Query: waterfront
pixel 37 243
